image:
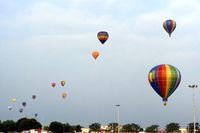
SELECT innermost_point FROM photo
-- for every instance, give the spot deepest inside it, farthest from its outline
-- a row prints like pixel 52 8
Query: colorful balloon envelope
pixel 164 79
pixel 34 97
pixel 169 26
pixel 62 83
pixel 95 54
pixel 53 84
pixel 102 36
pixel 64 95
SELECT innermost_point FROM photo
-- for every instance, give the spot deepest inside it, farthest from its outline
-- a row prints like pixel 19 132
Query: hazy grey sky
pixel 44 41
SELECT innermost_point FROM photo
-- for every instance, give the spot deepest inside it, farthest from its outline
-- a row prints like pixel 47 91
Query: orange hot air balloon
pixel 95 54
pixel 62 83
pixel 53 84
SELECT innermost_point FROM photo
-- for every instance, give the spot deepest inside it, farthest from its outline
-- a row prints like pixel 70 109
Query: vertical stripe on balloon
pixel 162 79
pixel 168 77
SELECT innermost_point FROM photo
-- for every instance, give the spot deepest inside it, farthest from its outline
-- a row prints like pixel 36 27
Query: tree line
pixel 24 124
pixel 58 127
pixel 135 128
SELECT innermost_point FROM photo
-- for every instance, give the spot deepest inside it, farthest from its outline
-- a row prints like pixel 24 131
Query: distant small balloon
pixel 95 54
pixel 24 104
pixel 21 110
pixel 13 100
pixel 102 36
pixel 64 95
pixel 169 26
pixel 9 108
pixel 53 84
pixel 33 96
pixel 35 114
pixel 62 83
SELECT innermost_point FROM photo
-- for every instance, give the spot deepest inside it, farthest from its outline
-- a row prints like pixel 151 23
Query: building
pixel 35 131
pixel 85 130
pixel 183 130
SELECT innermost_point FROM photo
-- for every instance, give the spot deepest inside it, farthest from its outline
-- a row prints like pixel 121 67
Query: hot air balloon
pixel 53 84
pixel 102 36
pixel 164 79
pixel 169 26
pixel 95 54
pixel 33 96
pixel 35 114
pixel 13 100
pixel 64 95
pixel 62 83
pixel 9 108
pixel 21 110
pixel 24 104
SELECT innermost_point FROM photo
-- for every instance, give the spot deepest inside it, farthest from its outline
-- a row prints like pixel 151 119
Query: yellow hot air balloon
pixel 13 100
pixel 95 54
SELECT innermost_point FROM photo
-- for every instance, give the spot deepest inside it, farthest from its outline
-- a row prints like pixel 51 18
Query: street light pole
pixel 194 106
pixel 117 117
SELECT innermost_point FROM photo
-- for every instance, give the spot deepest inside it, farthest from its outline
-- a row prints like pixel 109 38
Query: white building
pixel 85 130
pixel 183 130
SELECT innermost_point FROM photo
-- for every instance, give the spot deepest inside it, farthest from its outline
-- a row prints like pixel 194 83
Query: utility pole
pixel 193 106
pixel 118 117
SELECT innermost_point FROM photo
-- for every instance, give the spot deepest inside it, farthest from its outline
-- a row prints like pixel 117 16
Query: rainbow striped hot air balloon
pixel 169 26
pixel 164 79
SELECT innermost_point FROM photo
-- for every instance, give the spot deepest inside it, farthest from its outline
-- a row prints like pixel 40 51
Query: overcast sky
pixel 44 41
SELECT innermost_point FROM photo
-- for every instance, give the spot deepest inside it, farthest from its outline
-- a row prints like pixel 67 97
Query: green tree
pixel 18 123
pixel 95 127
pixel 172 127
pixel 136 127
pixel 27 124
pixel 0 126
pixel 46 128
pixel 190 127
pixel 131 128
pixel 67 127
pixel 152 128
pixel 112 127
pixel 56 127
pixel 8 125
pixel 77 128
pixel 127 128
